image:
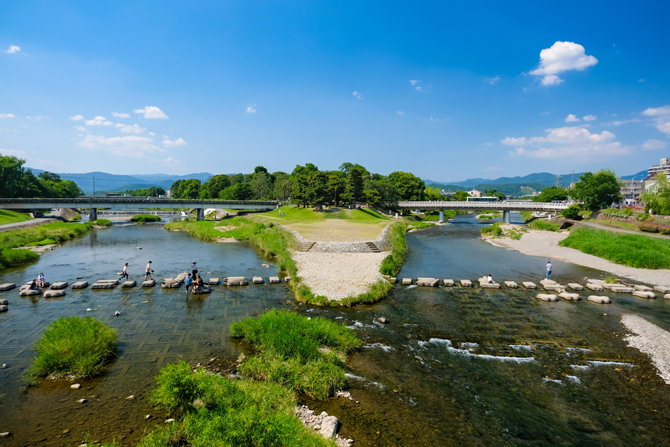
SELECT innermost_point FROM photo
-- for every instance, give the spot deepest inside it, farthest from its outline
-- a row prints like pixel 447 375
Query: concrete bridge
pixel 134 203
pixel 505 206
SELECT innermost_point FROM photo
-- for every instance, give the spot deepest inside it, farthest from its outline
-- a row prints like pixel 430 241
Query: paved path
pixel 621 230
pixel 27 224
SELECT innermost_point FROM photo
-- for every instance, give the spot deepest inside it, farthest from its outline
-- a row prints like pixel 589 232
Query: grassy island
pixel 144 218
pixel 102 223
pixel 74 346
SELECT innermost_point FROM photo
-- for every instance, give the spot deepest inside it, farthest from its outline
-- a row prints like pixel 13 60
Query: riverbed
pixel 452 367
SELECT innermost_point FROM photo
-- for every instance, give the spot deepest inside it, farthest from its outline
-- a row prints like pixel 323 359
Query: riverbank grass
pixel 144 218
pixel 306 355
pixel 626 249
pixel 218 411
pixel 74 346
pixel 102 223
pixel 7 217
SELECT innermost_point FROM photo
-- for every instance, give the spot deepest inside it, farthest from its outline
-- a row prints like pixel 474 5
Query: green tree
pixel 11 176
pixel 187 189
pixel 317 188
pixel 494 193
pixel 238 191
pixel 388 195
pixel 409 186
pixel 657 199
pixel 49 176
pixel 336 184
pixel 354 186
pixel 261 184
pixel 550 194
pixel 213 186
pixel 258 169
pixel 461 196
pixel 572 212
pixel 597 190
pixel 282 185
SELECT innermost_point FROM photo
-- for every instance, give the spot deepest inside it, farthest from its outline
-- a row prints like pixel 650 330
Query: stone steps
pixel 308 246
pixel 373 247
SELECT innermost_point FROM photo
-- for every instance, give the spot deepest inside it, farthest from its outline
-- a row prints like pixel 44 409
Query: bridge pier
pixel 199 214
pixel 93 214
pixel 506 216
pixel 441 220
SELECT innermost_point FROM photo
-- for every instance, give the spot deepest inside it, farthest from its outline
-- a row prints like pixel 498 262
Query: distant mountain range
pixel 115 183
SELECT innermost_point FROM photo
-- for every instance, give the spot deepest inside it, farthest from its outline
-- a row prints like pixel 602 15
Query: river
pixel 452 367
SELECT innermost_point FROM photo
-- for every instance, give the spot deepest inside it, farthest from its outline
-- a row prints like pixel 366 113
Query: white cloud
pixel 619 123
pixel 177 142
pixel 127 128
pixel 6 115
pixel 120 115
pixel 568 142
pixel 151 133
pixel 432 120
pixel 15 153
pixel 661 116
pixel 418 88
pixel 77 118
pixel 400 112
pixel 357 95
pixel 414 81
pixel 560 57
pixel 551 80
pixel 652 145
pixel 81 128
pixel 572 119
pixel 251 109
pixel 171 162
pixel 129 146
pixel 98 121
pixel 13 49
pixel 590 118
pixel 492 81
pixel 152 112
pixel 545 113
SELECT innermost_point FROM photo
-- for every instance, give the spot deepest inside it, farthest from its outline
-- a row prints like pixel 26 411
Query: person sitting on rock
pixel 490 279
pixel 200 283
pixel 34 285
pixel 40 280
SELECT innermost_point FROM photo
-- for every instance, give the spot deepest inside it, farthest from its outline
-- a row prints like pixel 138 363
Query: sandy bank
pixel 339 275
pixel 650 339
pixel 545 244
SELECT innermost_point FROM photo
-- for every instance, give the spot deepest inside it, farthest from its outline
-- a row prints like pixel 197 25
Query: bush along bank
pixel 74 346
pixel 12 256
pixel 144 218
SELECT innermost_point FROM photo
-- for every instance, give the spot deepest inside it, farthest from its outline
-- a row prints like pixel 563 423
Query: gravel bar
pixel 650 339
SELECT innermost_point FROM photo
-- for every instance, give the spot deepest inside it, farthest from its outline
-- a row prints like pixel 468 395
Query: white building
pixel 475 193
pixel 664 167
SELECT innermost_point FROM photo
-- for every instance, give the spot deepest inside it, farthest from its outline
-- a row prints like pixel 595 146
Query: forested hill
pixel 541 178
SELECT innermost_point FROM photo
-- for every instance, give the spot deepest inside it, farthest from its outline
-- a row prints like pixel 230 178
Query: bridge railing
pixel 482 205
pixel 132 200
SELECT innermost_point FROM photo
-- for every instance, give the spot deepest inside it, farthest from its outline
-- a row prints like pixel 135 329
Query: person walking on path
pixel 125 272
pixel 549 267
pixel 188 281
pixel 194 268
pixel 148 271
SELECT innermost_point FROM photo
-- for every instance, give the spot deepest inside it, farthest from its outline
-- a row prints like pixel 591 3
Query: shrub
pixel 493 230
pixel 217 411
pixel 300 353
pixel 103 222
pixel 654 227
pixel 611 280
pixel 74 346
pixel 572 212
pixel 527 215
pixel 640 217
pixel 14 257
pixel 396 238
pixel 144 218
pixel 543 225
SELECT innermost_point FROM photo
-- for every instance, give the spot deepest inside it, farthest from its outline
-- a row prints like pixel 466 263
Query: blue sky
pixel 447 90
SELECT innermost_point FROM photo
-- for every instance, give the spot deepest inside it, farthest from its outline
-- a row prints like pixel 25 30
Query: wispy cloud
pixel 120 115
pixel 661 117
pixel 99 121
pixel 6 115
pixel 590 118
pixel 13 49
pixel 152 112
pixel 357 95
pixel 251 109
pixel 653 145
pixel 81 128
pixel 77 118
pixel 492 81
pixel 127 128
pixel 571 119
pixel 560 57
pixel 128 146
pixel 171 162
pixel 641 80
pixel 178 142
pixel 400 112
pixel 12 152
pixel 619 123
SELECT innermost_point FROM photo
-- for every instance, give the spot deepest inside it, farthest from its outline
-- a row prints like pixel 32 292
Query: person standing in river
pixel 549 267
pixel 125 272
pixel 187 281
pixel 148 271
pixel 194 268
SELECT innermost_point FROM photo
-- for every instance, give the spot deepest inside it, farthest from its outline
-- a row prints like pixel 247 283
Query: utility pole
pixel 558 180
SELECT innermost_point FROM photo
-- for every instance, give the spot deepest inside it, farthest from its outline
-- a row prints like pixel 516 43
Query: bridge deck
pixel 494 206
pixel 124 203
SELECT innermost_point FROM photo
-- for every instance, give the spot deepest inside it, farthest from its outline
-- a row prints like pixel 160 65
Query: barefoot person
pixel 549 267
pixel 188 281
pixel 490 279
pixel 40 280
pixel 125 272
pixel 148 271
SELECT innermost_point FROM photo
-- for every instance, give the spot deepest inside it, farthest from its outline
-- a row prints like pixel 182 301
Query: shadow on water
pixel 453 366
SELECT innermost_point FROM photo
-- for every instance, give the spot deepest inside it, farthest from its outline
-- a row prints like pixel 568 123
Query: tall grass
pixel 15 257
pixel 303 354
pixel 144 218
pixel 7 217
pixel 543 225
pixel 74 346
pixel 102 223
pixel 626 249
pixel 493 230
pixel 396 239
pixel 217 411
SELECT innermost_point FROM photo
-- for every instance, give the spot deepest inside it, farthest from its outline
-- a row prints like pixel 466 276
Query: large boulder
pixel 3 308
pixel 7 286
pixel 171 284
pixel 80 285
pixel 275 280
pixel 329 426
pixel 257 280
pixel 594 287
pixel 427 282
pixel 448 283
pixel 4 302
pixel 54 293
pixel 235 281
pixel 59 285
pixel 205 289
pixel 466 283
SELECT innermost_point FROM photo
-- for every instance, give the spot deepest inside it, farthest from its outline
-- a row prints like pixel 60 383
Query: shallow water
pixel 453 367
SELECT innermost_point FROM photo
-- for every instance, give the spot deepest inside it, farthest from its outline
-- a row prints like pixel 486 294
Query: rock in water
pixel 329 427
pixel 382 320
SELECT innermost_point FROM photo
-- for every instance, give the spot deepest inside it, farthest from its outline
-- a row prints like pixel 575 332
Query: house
pixel 475 193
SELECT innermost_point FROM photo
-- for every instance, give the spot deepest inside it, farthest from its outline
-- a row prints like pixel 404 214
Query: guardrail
pixel 510 206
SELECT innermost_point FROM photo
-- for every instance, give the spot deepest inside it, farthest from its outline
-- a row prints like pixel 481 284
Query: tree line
pixel 19 182
pixel 308 186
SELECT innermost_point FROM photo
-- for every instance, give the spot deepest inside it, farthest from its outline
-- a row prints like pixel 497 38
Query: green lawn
pixel 7 217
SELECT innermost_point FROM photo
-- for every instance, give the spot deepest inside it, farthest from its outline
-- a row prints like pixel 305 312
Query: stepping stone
pixel 149 283
pixel 599 299
pixel 554 287
pixel 569 296
pixel 448 283
pixel 127 284
pixel 275 280
pixel 548 282
pixel 46 284
pixel 204 290
pixel 287 279
pixel 213 281
pixel 4 302
pixel 235 281
pixel 393 280
pixel 407 281
pixel 108 281
pixel 529 285
pixel 661 289
pixel 171 284
pixel 594 287
pixel 257 280
pixel 427 282
pixel 3 308
pixel 30 292
pixel 644 294
pixel 484 284
pixel 80 285
pixel 575 286
pixel 622 289
pixel 466 283
pixel 59 285
pixel 667 296
pixel 103 285
pixel 511 284
pixel 54 293
pixel 7 286
pixel 610 286
pixel 642 288
pixel 546 297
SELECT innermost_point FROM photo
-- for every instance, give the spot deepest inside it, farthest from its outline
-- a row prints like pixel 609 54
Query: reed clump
pixel 144 218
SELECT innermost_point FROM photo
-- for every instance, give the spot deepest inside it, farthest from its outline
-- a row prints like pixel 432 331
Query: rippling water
pixel 452 367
